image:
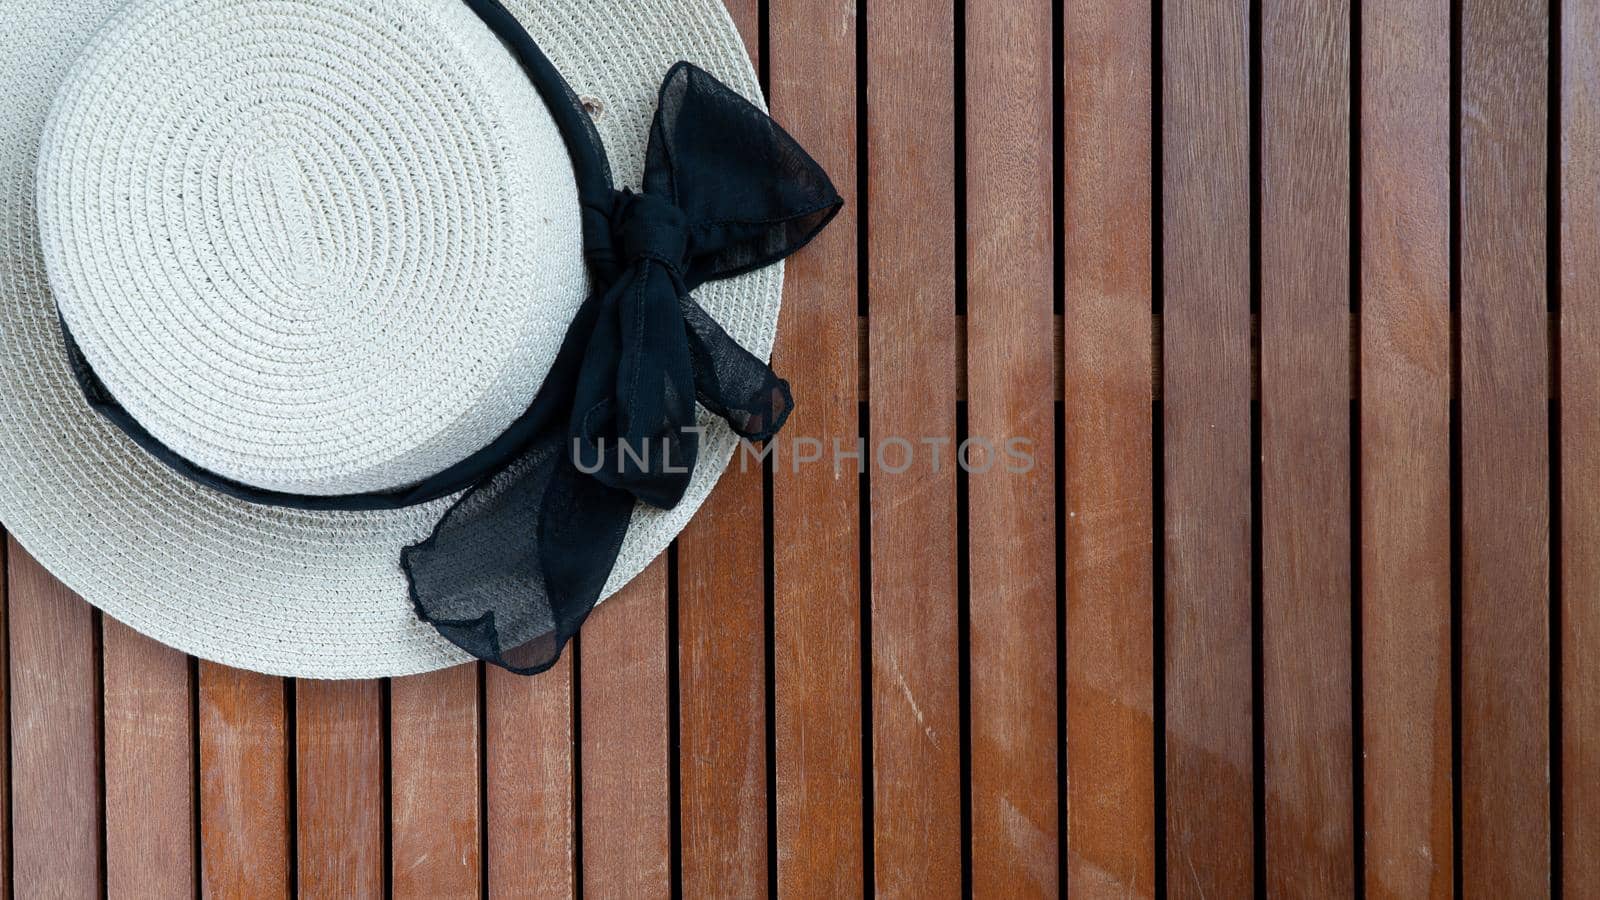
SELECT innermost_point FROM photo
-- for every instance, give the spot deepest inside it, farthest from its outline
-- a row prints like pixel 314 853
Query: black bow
pixel 514 567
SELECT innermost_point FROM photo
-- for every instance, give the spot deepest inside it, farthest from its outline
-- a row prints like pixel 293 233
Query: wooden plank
pixel 339 809
pixel 722 677
pixel 816 509
pixel 529 743
pixel 1305 447
pixel 434 765
pixel 149 766
pixel 1011 399
pixel 1207 447
pixel 244 784
pixel 55 735
pixel 1505 511
pixel 746 15
pixel 1580 446
pixel 1111 802
pixel 916 697
pixel 625 755
pixel 722 754
pixel 1405 448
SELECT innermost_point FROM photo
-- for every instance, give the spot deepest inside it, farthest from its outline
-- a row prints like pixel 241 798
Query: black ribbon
pixel 519 561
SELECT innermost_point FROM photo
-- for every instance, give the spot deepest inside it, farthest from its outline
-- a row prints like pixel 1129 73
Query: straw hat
pixel 312 249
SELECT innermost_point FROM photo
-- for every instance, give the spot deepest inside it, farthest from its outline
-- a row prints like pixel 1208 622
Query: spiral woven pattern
pixel 315 246
pixel 307 594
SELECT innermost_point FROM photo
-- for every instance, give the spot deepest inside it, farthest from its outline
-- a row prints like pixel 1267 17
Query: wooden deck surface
pixel 1298 302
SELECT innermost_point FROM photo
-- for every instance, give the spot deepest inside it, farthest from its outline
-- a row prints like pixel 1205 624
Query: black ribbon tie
pixel 517 563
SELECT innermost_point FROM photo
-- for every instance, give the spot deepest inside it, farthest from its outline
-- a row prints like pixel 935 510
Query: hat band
pixel 514 566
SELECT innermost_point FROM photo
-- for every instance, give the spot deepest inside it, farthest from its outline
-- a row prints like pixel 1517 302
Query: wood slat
pixel 55 735
pixel 149 766
pixel 339 807
pixel 1207 447
pixel 722 677
pixel 529 742
pixel 1505 511
pixel 746 15
pixel 1106 354
pixel 722 758
pixel 916 724
pixel 1009 64
pixel 1580 445
pixel 1305 447
pixel 624 750
pixel 817 672
pixel 245 821
pixel 434 766
pixel 1405 448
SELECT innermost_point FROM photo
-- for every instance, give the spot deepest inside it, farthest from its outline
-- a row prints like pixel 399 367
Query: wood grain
pixel 529 742
pixel 816 533
pixel 433 740
pixel 339 814
pixel 746 15
pixel 722 677
pixel 625 756
pixel 245 821
pixel 1207 446
pixel 916 723
pixel 149 766
pixel 1405 449
pixel 1580 446
pixel 1505 511
pixel 55 735
pixel 722 758
pixel 1111 802
pixel 1011 399
pixel 1305 447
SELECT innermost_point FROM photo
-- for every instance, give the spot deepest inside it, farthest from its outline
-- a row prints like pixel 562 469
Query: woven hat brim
pixel 301 594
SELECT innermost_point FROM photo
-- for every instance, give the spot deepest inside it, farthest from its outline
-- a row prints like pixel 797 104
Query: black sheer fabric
pixel 515 566
pixel 518 561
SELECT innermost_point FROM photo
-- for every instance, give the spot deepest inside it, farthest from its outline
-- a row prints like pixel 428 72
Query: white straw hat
pixel 320 247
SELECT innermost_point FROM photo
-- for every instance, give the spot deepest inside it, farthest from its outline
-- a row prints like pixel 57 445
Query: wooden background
pixel 1297 300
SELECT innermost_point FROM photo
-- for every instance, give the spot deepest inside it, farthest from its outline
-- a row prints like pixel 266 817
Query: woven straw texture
pixel 390 155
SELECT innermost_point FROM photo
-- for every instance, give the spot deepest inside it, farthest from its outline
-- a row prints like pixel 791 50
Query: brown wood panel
pixel 746 16
pixel 434 765
pixel 339 809
pixel 55 735
pixel 1405 448
pixel 624 752
pixel 1305 447
pixel 1505 512
pixel 916 723
pixel 1111 803
pixel 245 825
pixel 817 678
pixel 722 753
pixel 1580 446
pixel 1207 447
pixel 529 743
pixel 1011 400
pixel 149 766
pixel 722 677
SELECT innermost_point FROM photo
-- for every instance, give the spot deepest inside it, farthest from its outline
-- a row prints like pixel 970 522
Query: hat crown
pixel 313 246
